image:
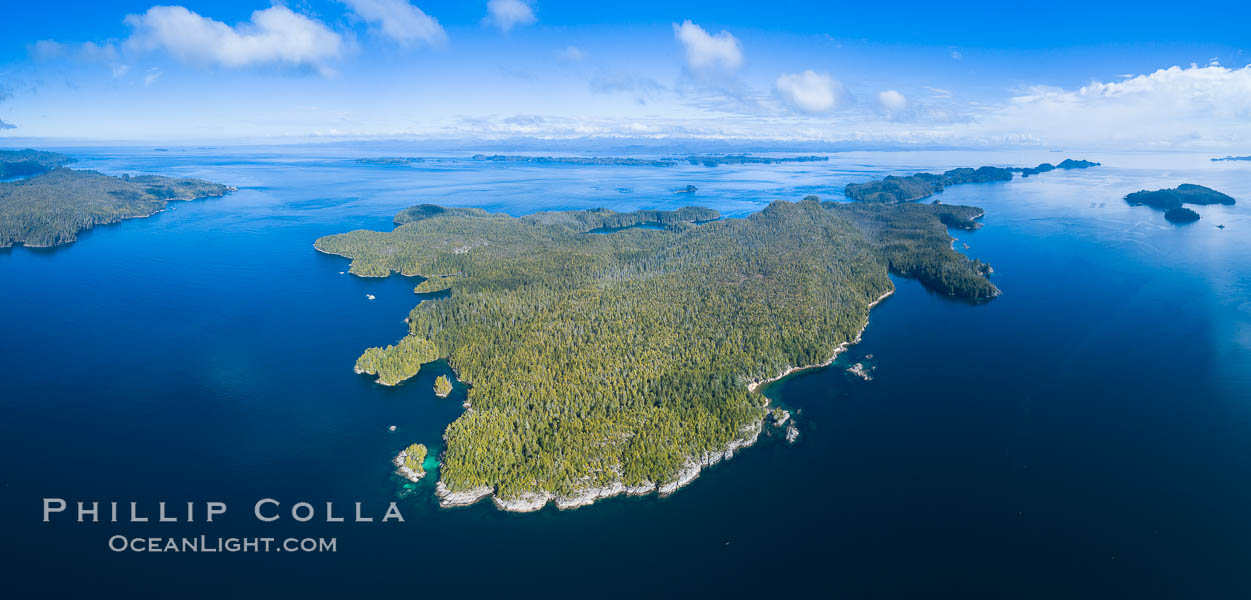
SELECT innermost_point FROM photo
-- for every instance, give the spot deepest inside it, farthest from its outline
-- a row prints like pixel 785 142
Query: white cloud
pixel 45 50
pixel 153 74
pixel 274 35
pixel 120 71
pixel 809 92
pixel 506 14
pixel 400 21
pixel 892 100
pixel 573 54
pixel 6 125
pixel 1209 105
pixel 708 52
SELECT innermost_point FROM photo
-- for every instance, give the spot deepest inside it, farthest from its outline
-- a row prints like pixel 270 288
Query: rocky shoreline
pixel 533 501
pixel 755 384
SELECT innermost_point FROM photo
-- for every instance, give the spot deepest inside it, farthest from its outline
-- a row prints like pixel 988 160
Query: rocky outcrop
pixel 860 371
pixel 449 498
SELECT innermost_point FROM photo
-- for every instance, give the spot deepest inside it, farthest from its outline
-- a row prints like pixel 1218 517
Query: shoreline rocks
pixel 860 371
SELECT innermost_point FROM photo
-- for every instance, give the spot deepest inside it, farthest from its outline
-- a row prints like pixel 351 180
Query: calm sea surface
pixel 1087 434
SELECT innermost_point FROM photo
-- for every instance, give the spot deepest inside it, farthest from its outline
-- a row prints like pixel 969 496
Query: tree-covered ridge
pixel 602 359
pixel 22 163
pixel 50 209
pixel 923 185
pixel 914 241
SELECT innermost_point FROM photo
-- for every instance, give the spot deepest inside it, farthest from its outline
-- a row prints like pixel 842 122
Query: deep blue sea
pixel 1085 435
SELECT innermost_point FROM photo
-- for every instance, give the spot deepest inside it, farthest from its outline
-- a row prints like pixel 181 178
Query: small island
pixel 690 189
pixel 894 189
pixel 627 362
pixel 1181 214
pixel 392 161
pixel 1232 158
pixel 442 386
pixel 1171 201
pixel 50 209
pixel 409 462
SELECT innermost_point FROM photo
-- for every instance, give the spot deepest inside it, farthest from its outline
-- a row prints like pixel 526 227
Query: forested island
pixel 392 161
pixel 707 160
pixel 1231 158
pixel 442 386
pixel 24 163
pixel 409 461
pixel 1181 214
pixel 923 185
pixel 1171 200
pixel 51 208
pixel 595 160
pixel 1067 164
pixel 607 364
pixel 713 160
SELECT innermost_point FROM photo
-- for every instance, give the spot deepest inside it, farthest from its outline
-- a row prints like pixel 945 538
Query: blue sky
pixel 1066 74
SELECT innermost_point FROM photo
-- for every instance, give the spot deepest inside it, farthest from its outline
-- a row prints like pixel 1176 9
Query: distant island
pixel 893 189
pixel 625 363
pixel 707 160
pixel 690 189
pixel 593 161
pixel 1171 201
pixel 395 161
pixel 51 208
pixel 713 160
pixel 1247 158
pixel 1181 214
pixel 1068 163
pixel 24 163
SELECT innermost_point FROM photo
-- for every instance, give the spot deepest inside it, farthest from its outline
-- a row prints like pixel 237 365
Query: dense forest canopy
pixel 50 209
pixel 23 163
pixel 602 359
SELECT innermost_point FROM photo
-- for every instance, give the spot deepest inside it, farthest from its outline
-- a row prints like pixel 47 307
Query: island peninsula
pixel 602 364
pixel 50 208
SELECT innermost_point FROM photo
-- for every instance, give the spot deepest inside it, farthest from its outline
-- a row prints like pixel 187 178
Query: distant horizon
pixel 908 74
pixel 604 146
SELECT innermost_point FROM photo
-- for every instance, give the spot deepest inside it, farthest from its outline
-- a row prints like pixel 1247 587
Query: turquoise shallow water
pixel 1084 435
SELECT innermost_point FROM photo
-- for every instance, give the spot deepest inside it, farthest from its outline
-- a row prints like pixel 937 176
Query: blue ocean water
pixel 1083 435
